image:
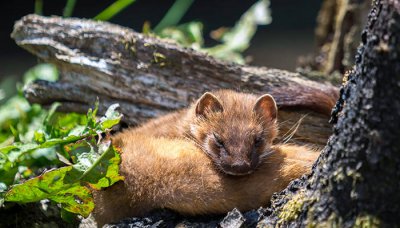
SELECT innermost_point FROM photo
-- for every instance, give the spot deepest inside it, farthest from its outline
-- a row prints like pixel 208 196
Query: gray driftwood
pixel 149 77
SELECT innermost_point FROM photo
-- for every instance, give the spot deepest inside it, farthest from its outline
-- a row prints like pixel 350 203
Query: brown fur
pixel 176 174
pixel 166 161
pixel 238 126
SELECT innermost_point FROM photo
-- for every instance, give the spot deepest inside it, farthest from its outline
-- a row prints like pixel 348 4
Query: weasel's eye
pixel 258 141
pixel 218 140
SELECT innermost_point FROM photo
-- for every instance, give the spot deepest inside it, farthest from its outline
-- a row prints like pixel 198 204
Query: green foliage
pixel 66 185
pixel 233 41
pixel 90 163
pixel 69 8
pixel 39 139
pixel 17 115
pixel 113 10
pixel 174 14
pixel 39 7
pixel 237 39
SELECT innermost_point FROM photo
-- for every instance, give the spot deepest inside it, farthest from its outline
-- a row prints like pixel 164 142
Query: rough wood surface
pixel 337 34
pixel 355 182
pixel 150 77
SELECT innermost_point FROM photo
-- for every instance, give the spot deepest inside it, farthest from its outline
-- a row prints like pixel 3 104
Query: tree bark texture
pixel 337 35
pixel 356 179
pixel 150 77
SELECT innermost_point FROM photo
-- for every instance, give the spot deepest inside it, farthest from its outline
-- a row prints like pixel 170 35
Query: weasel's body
pixel 176 174
pixel 207 159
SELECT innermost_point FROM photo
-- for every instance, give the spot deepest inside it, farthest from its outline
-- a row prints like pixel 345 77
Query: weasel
pixel 234 129
pixel 176 174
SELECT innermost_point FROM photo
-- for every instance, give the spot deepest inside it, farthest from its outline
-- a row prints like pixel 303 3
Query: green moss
pixel 362 221
pixel 130 45
pixel 333 222
pixel 292 208
pixel 367 221
pixel 338 175
pixel 159 58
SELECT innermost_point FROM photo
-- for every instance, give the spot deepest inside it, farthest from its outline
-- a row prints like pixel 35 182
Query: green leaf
pixel 91 115
pixel 39 137
pixel 66 185
pixel 7 171
pixel 50 185
pixel 69 217
pixel 69 8
pixel 237 39
pixel 188 35
pixel 94 165
pixel 15 134
pixel 99 169
pixel 113 9
pixel 174 14
pixel 111 117
pixel 45 71
pixel 51 113
pixel 39 7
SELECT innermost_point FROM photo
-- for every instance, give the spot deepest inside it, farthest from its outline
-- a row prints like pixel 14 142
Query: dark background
pixel 276 45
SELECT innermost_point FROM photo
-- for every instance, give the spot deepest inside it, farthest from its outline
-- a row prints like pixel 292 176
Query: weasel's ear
pixel 208 103
pixel 266 107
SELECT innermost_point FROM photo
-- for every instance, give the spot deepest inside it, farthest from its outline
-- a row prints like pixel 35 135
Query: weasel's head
pixel 235 129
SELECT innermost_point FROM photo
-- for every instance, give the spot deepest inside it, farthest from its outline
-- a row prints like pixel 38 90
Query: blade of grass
pixel 174 14
pixel 39 7
pixel 113 9
pixel 69 8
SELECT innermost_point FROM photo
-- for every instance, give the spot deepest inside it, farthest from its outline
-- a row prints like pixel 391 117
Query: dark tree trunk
pixel 356 180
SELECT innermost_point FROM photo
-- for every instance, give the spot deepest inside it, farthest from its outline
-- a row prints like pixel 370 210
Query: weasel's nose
pixel 238 168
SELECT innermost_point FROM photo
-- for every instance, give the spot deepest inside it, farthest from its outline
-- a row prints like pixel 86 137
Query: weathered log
pixel 150 77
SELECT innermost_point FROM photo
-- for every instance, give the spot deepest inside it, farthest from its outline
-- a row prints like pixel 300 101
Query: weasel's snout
pixel 237 168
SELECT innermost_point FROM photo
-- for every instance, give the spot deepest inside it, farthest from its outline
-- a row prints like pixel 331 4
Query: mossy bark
pixel 356 180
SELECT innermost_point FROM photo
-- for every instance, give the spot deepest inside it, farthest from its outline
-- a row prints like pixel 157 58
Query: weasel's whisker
pixel 292 131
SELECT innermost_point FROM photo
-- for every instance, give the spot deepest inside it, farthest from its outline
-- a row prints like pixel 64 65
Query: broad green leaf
pixel 66 185
pixel 99 169
pixel 7 171
pixel 50 185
